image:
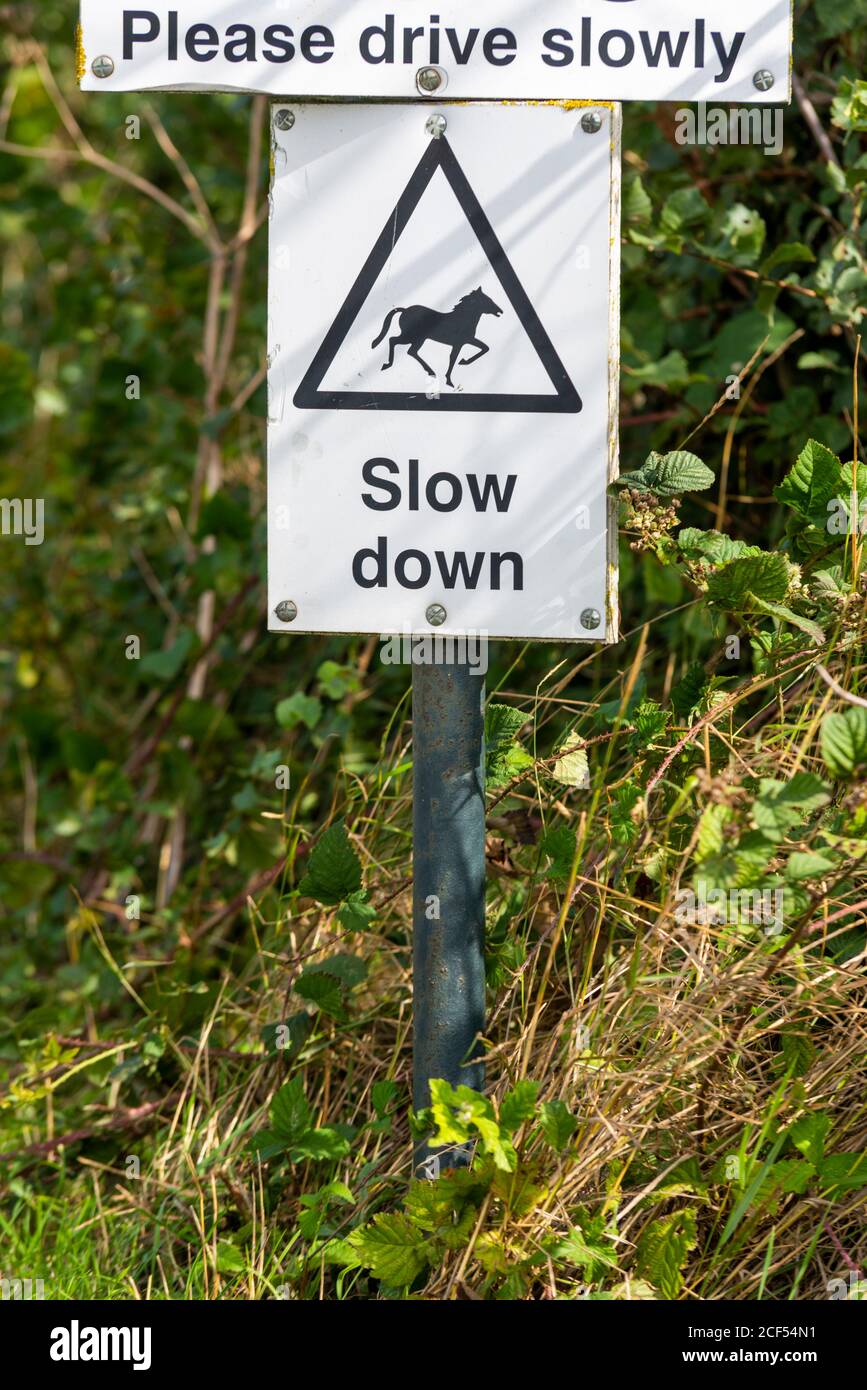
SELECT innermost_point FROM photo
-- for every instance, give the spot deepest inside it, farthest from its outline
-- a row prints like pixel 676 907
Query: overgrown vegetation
pixel 205 853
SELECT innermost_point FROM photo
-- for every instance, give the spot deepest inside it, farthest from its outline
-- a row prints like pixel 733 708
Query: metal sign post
pixel 448 915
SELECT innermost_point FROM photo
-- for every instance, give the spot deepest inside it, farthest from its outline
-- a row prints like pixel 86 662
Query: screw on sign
pixel 530 362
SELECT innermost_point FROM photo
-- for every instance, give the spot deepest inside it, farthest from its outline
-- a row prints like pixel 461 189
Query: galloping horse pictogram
pixel 457 328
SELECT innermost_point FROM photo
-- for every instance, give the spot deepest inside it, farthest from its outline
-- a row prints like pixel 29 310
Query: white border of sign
pixel 608 632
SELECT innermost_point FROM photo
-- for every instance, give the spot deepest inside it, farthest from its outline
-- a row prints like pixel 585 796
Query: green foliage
pixel 193 969
pixel 334 869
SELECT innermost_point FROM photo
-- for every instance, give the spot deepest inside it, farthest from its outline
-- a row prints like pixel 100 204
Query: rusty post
pixel 448 885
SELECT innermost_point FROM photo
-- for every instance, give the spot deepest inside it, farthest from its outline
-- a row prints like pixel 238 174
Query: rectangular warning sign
pixel 444 305
pixel 642 50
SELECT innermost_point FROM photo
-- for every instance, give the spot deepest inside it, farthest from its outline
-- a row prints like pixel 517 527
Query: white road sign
pixel 444 313
pixel 615 50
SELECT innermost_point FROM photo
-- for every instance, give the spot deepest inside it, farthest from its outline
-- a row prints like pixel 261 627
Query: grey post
pixel 448 885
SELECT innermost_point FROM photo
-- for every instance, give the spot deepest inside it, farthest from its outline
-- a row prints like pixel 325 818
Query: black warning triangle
pixel 439 155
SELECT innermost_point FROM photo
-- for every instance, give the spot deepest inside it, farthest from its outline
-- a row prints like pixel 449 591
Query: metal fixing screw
pixel 284 120
pixel 286 611
pixel 103 66
pixel 436 125
pixel 591 121
pixel 763 80
pixel 436 614
pixel 591 618
pixel 430 80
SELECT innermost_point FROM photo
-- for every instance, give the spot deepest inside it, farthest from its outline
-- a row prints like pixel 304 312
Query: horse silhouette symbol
pixel 457 329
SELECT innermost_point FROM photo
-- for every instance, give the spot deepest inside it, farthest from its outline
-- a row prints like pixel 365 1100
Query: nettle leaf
pixel 844 741
pixel 779 610
pixel 518 1105
pixel 849 107
pixel 505 758
pixel 299 709
pixel 662 1250
pixel 762 576
pixel 392 1248
pixel 572 767
pixel 325 982
pixel 165 666
pixel 807 864
pixel 558 845
pixel 687 694
pixel 711 836
pixel 650 722
pixel 290 1111
pixel 781 805
pixel 813 480
pixel 787 253
pixel 809 1133
pixel 334 869
pixel 635 202
pixel 670 475
pixel 458 1112
pixel 319 1145
pixel 558 1123
pixel 357 914
pixel 843 1172
pixel 713 546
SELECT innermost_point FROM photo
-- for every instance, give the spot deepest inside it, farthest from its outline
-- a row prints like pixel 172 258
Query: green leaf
pixel 764 576
pixel 299 709
pixel 290 1111
pixel 558 845
pixel 687 694
pixel 323 990
pixel 167 665
pixel 713 546
pixel 843 1172
pixel 849 107
pixel 662 1250
pixel 808 1135
pixel 844 741
pixel 382 1093
pixel 781 805
pixel 505 758
pixel 779 610
pixel 785 254
pixel 558 1123
pixel 808 865
pixel 392 1249
pixel 518 1105
pixel 635 203
pixel 319 1145
pixel 813 480
pixel 357 914
pixel 334 869
pixel 669 475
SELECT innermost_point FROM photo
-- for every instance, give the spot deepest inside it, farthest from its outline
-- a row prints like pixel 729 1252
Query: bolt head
pixel 436 125
pixel 284 120
pixel 436 614
pixel 286 611
pixel 591 121
pixel 591 618
pixel 763 80
pixel 103 66
pixel 430 80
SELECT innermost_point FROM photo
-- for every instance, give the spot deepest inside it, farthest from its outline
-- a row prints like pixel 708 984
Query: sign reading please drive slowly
pixel 621 50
